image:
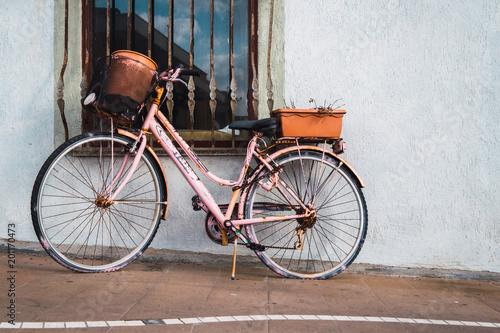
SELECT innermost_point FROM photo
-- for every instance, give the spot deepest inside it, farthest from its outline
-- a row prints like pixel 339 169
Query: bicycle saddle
pixel 268 126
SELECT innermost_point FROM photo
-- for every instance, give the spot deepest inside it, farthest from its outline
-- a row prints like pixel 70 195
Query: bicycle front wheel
pixel 70 215
pixel 323 244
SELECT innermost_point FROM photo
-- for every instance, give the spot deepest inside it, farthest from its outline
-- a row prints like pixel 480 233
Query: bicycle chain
pixel 272 247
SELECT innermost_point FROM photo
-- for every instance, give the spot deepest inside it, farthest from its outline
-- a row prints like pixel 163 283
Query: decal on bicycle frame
pixel 176 153
pixel 191 153
pixel 197 159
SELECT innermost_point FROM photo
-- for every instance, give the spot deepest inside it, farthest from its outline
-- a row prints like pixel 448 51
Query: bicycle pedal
pixel 195 201
pixel 256 247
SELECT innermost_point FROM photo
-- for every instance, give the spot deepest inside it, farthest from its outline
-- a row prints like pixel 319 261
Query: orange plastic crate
pixel 310 122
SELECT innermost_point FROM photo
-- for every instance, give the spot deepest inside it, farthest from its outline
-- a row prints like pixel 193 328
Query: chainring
pixel 214 232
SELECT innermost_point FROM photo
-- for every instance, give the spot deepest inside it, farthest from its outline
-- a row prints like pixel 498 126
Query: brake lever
pixel 179 80
pixel 173 76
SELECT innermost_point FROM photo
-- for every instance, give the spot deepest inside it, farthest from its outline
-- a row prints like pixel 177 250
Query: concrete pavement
pixel 157 297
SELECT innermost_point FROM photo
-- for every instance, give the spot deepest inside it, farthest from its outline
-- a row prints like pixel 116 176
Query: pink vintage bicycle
pixel 99 198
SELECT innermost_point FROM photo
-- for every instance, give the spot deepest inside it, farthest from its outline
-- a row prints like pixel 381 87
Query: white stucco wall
pixel 26 105
pixel 420 81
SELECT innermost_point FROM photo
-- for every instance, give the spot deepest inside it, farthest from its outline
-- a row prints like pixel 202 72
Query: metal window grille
pixel 218 37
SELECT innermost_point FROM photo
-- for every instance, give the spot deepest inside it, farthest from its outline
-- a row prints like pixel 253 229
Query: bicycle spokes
pixel 75 217
pixel 330 230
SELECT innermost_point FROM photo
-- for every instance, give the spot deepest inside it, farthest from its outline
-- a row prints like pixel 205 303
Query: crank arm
pixel 252 246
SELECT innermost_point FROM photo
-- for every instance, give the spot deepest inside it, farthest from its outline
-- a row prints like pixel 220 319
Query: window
pixel 214 37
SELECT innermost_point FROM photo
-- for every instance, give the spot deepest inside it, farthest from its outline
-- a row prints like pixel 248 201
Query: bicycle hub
pixel 102 202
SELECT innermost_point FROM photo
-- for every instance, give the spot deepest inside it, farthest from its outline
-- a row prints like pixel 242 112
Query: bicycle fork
pixel 117 178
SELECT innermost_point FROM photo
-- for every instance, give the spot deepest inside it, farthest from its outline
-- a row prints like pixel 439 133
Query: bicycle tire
pixel 73 226
pixel 332 239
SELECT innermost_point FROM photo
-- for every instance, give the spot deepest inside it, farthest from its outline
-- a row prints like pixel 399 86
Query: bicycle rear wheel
pixel 70 217
pixel 322 245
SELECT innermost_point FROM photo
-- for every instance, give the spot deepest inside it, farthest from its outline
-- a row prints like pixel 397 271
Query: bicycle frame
pixel 153 123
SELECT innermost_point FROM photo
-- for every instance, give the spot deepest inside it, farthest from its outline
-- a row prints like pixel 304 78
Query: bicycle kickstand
pixel 252 246
pixel 233 272
pixel 230 226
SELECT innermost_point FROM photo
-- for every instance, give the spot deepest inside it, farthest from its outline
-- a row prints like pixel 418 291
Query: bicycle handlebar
pixel 187 71
pixel 173 74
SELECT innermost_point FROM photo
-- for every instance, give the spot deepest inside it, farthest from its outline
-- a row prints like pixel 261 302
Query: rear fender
pixel 158 164
pixel 315 148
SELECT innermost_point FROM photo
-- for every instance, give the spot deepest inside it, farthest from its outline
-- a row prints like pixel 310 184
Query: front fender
pixel 159 165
